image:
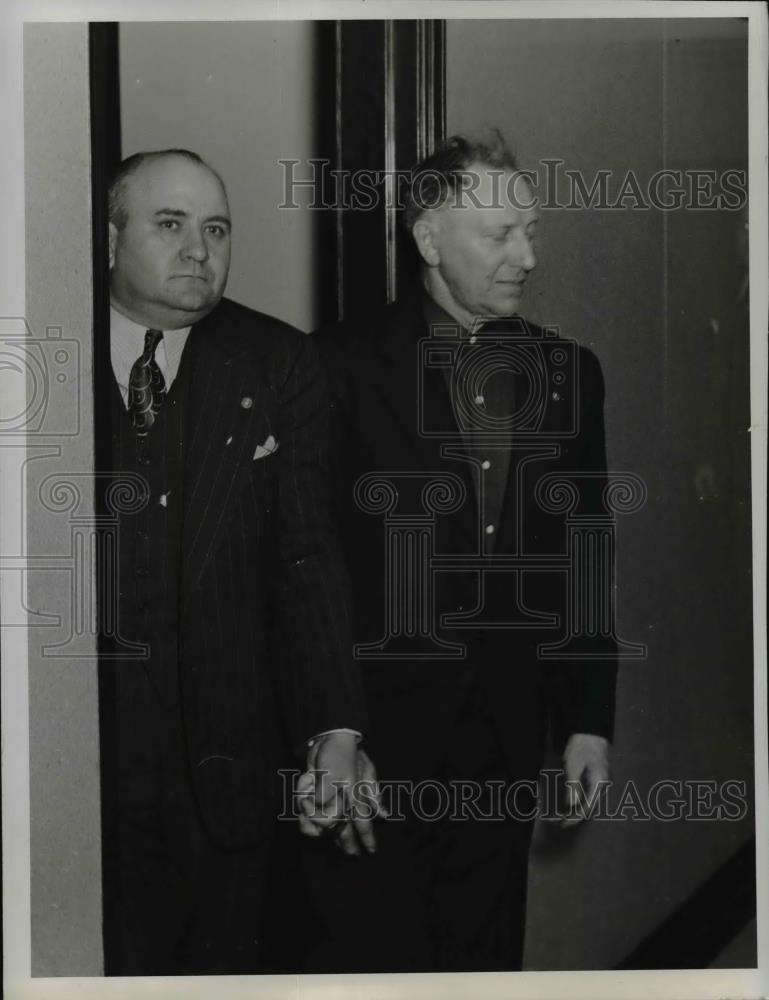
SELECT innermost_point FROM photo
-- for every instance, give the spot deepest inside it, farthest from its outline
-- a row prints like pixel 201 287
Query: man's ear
pixel 112 244
pixel 425 238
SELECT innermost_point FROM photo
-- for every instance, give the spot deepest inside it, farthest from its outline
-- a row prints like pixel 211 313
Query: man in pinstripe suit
pixel 232 647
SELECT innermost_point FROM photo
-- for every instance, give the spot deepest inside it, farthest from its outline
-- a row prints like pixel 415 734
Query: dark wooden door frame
pixel 389 112
pixel 105 157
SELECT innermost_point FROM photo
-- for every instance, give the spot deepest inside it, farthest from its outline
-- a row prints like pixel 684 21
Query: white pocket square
pixel 269 446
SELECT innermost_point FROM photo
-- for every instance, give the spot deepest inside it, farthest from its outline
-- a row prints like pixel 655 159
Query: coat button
pixel 246 402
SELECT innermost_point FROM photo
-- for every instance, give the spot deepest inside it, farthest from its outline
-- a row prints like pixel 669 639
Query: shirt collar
pixel 127 343
pixel 436 315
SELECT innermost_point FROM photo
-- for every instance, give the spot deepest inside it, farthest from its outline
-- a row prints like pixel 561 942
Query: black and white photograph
pixel 383 500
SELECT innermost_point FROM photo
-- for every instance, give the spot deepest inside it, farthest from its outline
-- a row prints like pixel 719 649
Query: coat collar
pixel 416 392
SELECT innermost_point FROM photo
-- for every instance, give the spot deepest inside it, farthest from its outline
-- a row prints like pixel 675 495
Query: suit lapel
pixel 227 418
pixel 417 395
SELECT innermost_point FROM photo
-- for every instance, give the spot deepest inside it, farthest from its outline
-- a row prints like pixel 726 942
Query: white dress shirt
pixel 127 344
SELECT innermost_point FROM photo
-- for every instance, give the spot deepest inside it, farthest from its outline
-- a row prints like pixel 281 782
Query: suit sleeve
pixel 583 691
pixel 319 680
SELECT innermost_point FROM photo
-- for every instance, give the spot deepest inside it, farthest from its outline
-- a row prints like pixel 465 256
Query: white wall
pixel 240 94
pixel 63 705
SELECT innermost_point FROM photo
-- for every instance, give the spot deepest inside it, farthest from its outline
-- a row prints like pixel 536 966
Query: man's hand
pixel 586 763
pixel 339 794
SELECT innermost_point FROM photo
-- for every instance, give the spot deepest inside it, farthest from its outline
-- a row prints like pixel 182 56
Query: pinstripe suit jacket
pixel 264 634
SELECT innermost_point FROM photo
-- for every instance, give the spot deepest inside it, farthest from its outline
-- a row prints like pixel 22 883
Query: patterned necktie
pixel 146 386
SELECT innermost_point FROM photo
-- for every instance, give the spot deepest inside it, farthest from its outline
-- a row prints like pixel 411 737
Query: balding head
pixel 129 166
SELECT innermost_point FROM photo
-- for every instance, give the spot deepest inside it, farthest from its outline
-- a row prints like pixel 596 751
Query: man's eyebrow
pixel 501 227
pixel 179 213
pixel 504 227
